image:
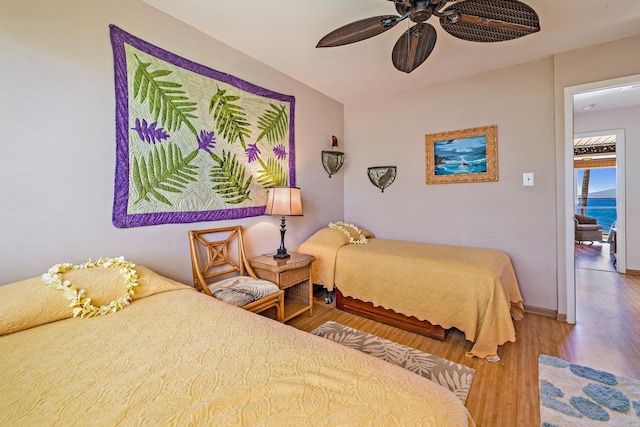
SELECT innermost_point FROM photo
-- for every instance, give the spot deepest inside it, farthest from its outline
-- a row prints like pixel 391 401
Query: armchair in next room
pixel 587 229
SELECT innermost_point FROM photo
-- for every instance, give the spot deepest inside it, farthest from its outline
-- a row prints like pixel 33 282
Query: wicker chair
pixel 587 229
pixel 220 274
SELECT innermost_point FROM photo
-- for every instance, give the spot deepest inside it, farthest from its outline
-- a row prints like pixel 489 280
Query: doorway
pixel 569 253
pixel 595 184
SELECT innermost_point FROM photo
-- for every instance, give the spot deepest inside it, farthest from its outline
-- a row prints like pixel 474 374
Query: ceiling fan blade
pixel 358 31
pixel 413 47
pixel 489 21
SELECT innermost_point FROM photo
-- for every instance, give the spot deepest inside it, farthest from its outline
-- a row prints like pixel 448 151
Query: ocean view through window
pixel 601 201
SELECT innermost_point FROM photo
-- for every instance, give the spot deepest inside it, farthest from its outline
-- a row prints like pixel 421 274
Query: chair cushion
pixel 242 290
pixel 583 219
pixel 589 227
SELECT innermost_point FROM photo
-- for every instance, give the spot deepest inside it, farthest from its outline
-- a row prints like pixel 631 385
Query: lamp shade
pixel 285 201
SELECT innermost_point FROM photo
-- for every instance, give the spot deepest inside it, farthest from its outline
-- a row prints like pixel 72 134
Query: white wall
pixel 629 120
pixel 526 102
pixel 502 215
pixel 58 142
pixel 581 66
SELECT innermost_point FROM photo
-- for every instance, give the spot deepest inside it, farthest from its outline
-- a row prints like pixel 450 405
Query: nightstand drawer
pixel 292 277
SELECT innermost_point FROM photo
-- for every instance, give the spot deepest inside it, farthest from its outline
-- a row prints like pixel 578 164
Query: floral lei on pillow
pixel 341 226
pixel 80 303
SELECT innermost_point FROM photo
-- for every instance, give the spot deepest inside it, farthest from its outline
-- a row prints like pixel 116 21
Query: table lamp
pixel 284 201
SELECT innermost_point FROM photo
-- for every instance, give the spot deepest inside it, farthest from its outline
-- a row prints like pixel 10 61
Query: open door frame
pixel 569 261
pixel 621 264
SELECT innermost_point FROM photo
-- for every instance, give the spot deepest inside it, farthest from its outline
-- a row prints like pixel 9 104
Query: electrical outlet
pixel 528 179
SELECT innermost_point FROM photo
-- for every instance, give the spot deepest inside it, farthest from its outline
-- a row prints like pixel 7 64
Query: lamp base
pixel 282 252
pixel 281 255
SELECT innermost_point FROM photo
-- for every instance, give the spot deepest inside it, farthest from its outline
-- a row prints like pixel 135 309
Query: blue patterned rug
pixel 579 396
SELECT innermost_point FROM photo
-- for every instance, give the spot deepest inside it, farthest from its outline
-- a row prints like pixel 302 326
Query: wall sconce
pixel 382 176
pixel 332 160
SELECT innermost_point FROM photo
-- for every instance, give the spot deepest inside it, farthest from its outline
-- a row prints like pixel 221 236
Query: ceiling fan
pixel 482 21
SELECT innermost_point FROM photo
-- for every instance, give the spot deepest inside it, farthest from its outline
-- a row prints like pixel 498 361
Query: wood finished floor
pixel 505 393
pixel 594 256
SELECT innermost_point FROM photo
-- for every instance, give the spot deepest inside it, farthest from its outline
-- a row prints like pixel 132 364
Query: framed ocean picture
pixel 467 155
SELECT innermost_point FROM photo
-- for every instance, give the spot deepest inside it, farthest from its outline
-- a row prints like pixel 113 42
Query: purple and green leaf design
pixel 274 123
pixel 166 101
pixel 232 124
pixel 253 152
pixel 193 143
pixel 206 141
pixel 273 174
pixel 150 133
pixel 280 152
pixel 229 178
pixel 231 118
pixel 164 169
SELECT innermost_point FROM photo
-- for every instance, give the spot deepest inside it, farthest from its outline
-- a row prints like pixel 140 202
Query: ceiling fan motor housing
pixel 418 10
pixel 421 12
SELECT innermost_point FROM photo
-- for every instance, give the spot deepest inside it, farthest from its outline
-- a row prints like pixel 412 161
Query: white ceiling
pixel 607 99
pixel 284 33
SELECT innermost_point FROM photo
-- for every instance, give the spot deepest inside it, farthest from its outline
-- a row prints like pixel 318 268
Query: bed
pixel 174 356
pixel 421 287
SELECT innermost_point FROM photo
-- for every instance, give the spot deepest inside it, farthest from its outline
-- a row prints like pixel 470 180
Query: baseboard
pixel 542 312
pixel 633 272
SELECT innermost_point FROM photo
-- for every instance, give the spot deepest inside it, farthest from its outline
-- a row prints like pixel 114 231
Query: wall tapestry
pixel 192 143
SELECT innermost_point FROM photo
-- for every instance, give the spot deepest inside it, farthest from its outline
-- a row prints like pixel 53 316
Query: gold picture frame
pixel 466 155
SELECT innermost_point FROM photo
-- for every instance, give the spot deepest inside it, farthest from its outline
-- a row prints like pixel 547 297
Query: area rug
pixel 450 375
pixel 575 395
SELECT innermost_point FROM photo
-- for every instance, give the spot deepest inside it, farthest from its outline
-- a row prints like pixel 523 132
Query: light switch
pixel 528 179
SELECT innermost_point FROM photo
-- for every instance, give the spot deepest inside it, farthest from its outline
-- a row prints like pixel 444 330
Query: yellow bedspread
pixel 472 289
pixel 178 357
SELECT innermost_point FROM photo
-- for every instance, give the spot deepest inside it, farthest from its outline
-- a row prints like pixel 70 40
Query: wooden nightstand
pixel 293 275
